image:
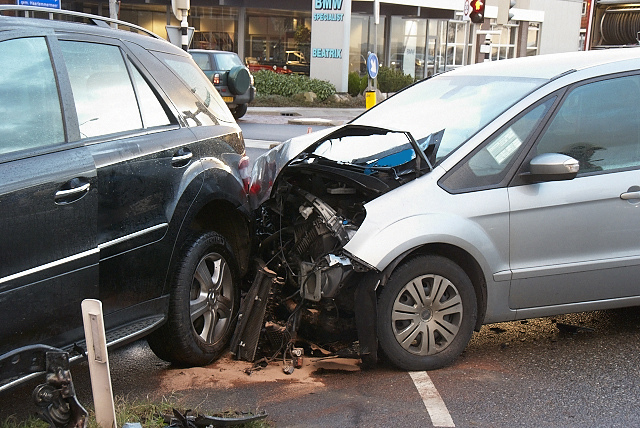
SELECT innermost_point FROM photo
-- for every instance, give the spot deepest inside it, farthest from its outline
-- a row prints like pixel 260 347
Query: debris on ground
pixel 180 420
pixel 572 329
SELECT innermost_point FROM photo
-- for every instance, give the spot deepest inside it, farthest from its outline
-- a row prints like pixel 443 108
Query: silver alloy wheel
pixel 427 314
pixel 211 299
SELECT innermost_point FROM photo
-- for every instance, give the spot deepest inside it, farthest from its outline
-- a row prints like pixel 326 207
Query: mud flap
pixel 244 342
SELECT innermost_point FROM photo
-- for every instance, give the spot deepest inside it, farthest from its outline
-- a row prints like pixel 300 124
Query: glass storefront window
pixel 269 37
pixel 503 45
pixel 408 45
pixel 456 44
pixel 533 38
pixel 361 42
pixel 216 28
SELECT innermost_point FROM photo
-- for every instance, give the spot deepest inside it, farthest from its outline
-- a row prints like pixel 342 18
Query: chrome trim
pixel 65 193
pixel 49 265
pixel 133 235
pixel 19 380
pixel 181 158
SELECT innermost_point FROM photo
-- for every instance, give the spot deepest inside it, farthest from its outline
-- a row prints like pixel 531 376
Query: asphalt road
pixel 524 374
pixel 579 370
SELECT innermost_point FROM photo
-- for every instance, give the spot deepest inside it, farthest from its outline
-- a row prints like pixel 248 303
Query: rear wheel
pixel 203 305
pixel 239 111
pixel 426 313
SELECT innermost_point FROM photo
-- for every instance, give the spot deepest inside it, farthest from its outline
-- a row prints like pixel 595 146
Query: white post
pixel 113 12
pixel 98 363
pixel 181 11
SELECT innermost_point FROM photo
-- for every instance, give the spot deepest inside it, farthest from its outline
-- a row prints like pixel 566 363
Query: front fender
pixel 476 222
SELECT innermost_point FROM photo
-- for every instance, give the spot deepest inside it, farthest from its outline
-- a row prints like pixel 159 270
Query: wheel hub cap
pixel 427 314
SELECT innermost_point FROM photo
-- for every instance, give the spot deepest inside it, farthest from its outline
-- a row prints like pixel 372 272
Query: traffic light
pixel 476 15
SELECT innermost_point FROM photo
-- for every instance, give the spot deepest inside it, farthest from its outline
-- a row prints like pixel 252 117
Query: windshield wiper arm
pixel 420 155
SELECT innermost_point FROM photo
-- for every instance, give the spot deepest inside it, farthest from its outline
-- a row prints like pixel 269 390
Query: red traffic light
pixel 477 11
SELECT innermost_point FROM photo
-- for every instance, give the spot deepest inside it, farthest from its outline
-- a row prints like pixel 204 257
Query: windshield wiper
pixel 420 155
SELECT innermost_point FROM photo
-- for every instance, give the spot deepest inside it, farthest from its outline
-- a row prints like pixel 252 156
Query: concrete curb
pixel 315 121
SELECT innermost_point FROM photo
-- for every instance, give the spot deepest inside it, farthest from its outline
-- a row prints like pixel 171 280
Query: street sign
pixel 53 4
pixel 466 11
pixel 372 65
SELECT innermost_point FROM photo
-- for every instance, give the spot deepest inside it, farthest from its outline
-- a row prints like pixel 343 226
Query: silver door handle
pixel 75 190
pixel 182 157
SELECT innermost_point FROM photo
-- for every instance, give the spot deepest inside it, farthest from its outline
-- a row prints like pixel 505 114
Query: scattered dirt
pixel 230 373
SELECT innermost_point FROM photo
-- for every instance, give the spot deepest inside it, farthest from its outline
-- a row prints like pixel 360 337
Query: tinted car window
pixel 103 92
pixel 598 125
pixel 199 85
pixel 26 81
pixel 489 165
pixel 153 113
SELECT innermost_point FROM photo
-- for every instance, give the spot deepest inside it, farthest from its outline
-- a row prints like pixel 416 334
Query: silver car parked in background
pixel 494 192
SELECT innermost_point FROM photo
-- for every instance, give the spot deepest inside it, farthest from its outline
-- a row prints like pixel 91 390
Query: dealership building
pixel 420 37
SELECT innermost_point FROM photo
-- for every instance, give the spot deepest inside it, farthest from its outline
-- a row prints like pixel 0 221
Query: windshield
pixel 452 107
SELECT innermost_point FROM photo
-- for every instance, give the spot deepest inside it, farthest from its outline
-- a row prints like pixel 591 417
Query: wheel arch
pixel 219 205
pixel 222 216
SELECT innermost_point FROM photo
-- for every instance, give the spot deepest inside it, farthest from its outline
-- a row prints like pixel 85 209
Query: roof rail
pixel 100 21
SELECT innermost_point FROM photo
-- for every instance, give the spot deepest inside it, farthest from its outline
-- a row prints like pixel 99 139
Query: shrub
pixel 287 85
pixel 356 83
pixel 391 80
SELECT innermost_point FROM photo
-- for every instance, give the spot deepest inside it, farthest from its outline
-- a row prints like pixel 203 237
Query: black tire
pixel 238 80
pixel 239 111
pixel 413 330
pixel 205 287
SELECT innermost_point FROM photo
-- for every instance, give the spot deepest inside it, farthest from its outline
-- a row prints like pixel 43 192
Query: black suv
pixel 229 75
pixel 123 179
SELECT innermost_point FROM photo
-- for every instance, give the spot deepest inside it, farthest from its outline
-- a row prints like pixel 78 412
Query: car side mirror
pixel 552 167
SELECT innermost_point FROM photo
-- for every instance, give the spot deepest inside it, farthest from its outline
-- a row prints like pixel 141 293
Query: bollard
pixel 370 99
pixel 98 363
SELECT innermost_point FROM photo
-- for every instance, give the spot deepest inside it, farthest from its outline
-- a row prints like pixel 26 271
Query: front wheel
pixel 203 304
pixel 426 313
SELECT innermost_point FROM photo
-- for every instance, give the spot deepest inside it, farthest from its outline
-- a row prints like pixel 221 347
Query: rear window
pixel 226 61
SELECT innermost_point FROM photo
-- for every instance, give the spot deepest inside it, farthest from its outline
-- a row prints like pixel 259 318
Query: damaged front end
pixel 309 204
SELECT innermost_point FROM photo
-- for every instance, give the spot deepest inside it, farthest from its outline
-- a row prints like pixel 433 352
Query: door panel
pixel 48 253
pixel 574 241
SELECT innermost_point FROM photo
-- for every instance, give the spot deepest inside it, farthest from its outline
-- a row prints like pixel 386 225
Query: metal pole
pixel 113 12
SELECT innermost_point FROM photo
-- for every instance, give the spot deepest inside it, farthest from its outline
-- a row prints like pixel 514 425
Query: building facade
pixel 419 37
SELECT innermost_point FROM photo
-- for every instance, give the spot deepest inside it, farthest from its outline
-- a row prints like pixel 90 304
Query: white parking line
pixel 438 412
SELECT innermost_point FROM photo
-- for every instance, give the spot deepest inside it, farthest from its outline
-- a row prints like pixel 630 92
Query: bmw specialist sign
pixel 330 32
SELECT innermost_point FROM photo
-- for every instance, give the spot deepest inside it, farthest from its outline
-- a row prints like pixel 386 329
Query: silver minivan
pixel 493 192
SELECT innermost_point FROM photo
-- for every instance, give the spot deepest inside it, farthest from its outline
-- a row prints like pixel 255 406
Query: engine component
pixel 251 317
pixel 323 279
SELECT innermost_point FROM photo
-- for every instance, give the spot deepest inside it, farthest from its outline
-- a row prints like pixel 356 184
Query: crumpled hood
pixel 384 156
